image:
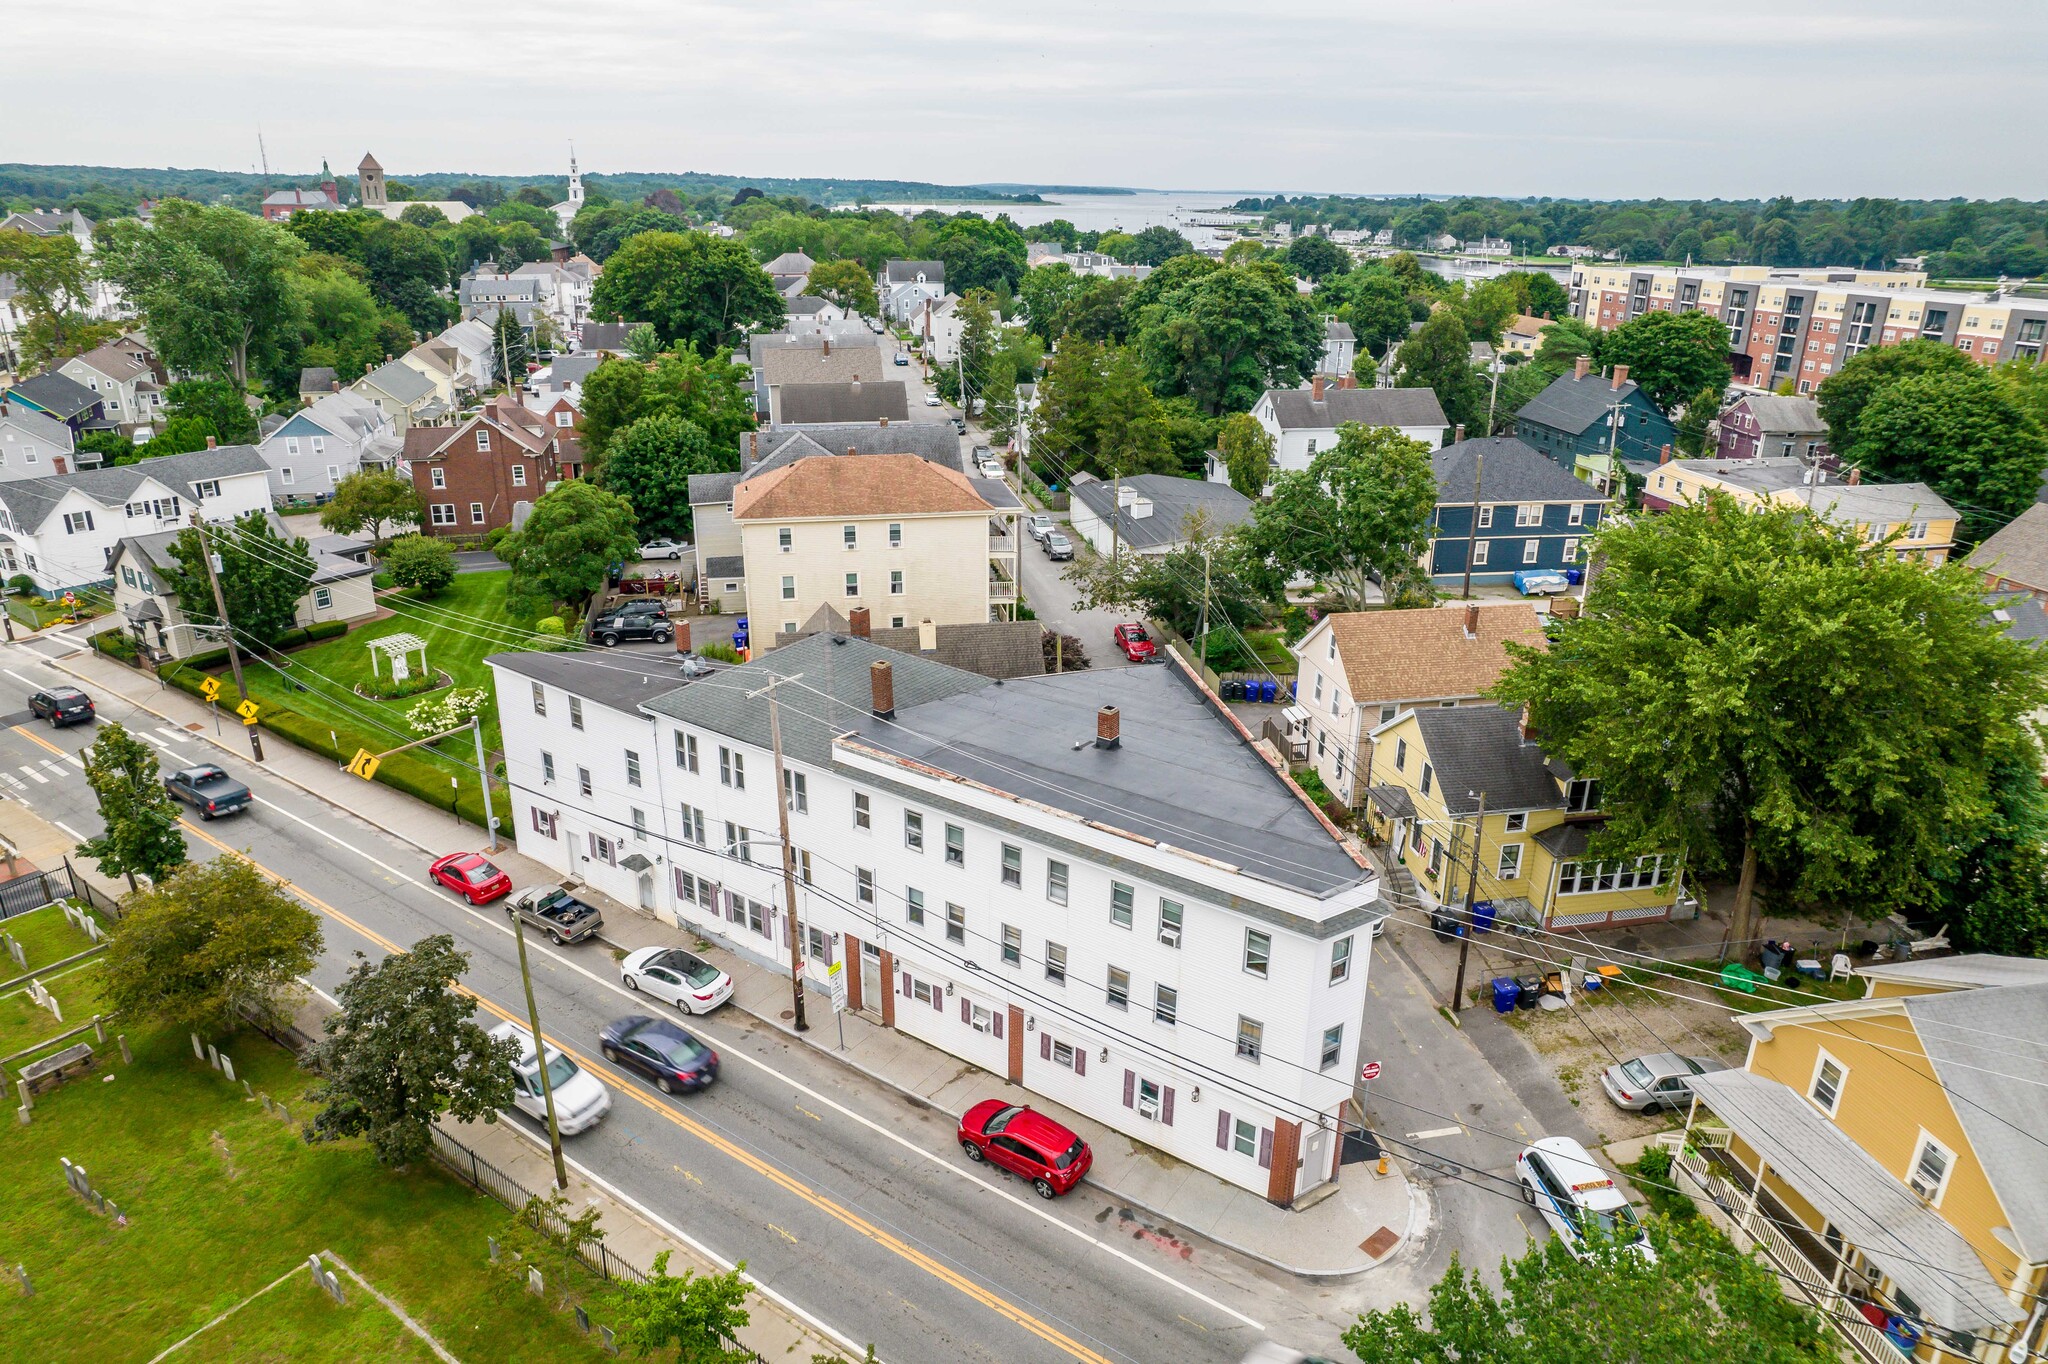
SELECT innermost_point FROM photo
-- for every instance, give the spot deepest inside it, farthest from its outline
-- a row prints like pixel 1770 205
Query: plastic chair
pixel 1840 966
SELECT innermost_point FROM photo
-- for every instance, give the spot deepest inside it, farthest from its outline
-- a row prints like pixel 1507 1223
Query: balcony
pixel 1001 546
pixel 1001 587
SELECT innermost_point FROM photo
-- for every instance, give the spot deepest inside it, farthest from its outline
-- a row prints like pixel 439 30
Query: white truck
pixel 580 1097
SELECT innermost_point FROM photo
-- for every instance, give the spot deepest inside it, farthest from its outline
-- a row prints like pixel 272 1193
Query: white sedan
pixel 663 549
pixel 676 977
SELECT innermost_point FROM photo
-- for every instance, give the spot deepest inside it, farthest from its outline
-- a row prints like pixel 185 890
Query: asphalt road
pixel 845 1198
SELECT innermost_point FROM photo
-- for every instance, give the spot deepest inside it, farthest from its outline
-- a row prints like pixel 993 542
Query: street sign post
pixel 210 688
pixel 1369 1072
pixel 247 710
pixel 835 980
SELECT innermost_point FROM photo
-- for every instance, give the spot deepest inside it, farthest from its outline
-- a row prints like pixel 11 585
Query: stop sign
pixel 1369 1072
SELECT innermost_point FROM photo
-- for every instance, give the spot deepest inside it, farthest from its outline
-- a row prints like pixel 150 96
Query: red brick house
pixel 484 472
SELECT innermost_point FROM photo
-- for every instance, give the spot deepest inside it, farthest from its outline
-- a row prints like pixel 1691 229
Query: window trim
pixel 1822 1058
pixel 1264 969
pixel 1948 1168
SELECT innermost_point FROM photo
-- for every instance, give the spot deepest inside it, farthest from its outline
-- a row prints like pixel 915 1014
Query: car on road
pixel 563 917
pixel 580 1097
pixel 1137 646
pixel 1026 1143
pixel 959 425
pixel 1270 1352
pixel 663 548
pixel 473 876
pixel 1578 1198
pixel 208 790
pixel 61 706
pixel 1038 525
pixel 1662 1079
pixel 933 400
pixel 665 1053
pixel 676 977
pixel 1057 546
pixel 614 626
pixel 989 467
pixel 901 358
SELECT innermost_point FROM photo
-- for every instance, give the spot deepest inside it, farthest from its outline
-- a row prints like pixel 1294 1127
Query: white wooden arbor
pixel 396 650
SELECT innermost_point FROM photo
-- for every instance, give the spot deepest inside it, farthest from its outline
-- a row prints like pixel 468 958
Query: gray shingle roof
pixel 39 426
pixel 1775 412
pixel 623 682
pixel 869 400
pixel 1297 408
pixel 573 369
pixel 991 648
pixel 486 292
pixel 60 395
pixel 1509 471
pixel 401 381
pixel 1333 330
pixel 934 441
pixel 1173 499
pixel 1480 748
pixel 906 271
pixel 2023 616
pixel 2019 551
pixel 603 336
pixel 315 379
pixel 781 366
pixel 803 305
pixel 1572 404
pixel 31 500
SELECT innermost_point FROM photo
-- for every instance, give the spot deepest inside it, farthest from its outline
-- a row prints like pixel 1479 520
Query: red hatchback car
pixel 1135 643
pixel 1026 1143
pixel 472 876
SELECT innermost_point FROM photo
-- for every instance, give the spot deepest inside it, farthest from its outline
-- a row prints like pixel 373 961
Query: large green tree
pixel 1564 341
pixel 698 1316
pixel 209 940
pixel 1247 450
pixel 1994 890
pixel 213 286
pixel 1097 415
pixel 1439 357
pixel 650 463
pixel 1359 514
pixel 1223 335
pixel 53 287
pixel 1801 706
pixel 139 820
pixel 510 351
pixel 1047 292
pixel 372 499
pixel 711 392
pixel 262 575
pixel 698 290
pixel 223 407
pixel 1376 305
pixel 1317 258
pixel 405 1049
pixel 1671 356
pixel 575 533
pixel 1960 433
pixel 1844 394
pixel 1155 245
pixel 847 283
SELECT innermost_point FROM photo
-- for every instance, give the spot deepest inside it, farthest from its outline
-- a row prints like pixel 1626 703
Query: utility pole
pixel 540 1050
pixel 1202 636
pixel 796 946
pixel 220 607
pixel 1493 402
pixel 1472 535
pixel 1471 891
pixel 483 775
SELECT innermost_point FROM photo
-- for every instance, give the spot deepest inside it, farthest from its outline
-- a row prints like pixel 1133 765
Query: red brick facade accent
pixel 888 989
pixel 1016 1045
pixel 852 970
pixel 1280 1180
pixel 473 475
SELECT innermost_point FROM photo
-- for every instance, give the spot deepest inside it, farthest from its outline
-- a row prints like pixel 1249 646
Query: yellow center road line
pixel 26 733
pixel 846 1216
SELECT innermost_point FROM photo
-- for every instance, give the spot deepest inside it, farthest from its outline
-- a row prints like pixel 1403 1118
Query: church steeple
pixel 575 182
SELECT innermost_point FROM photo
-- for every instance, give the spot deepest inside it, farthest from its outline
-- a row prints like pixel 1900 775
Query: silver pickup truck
pixel 563 917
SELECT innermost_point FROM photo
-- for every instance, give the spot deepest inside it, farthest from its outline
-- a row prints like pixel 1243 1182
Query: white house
pixel 1152 513
pixel 131 394
pixel 60 530
pixel 564 290
pixel 1340 348
pixel 1303 421
pixel 340 589
pixel 905 285
pixel 1092 884
pixel 34 444
pixel 320 445
pixel 940 324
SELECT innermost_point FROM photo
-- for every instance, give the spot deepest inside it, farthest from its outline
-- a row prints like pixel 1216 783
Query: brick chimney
pixel 753 446
pixel 828 346
pixel 1581 365
pixel 211 443
pixel 682 636
pixel 1348 381
pixel 1528 730
pixel 885 421
pixel 852 449
pixel 1458 435
pixel 334 385
pixel 882 689
pixel 1315 391
pixel 1472 620
pixel 1855 474
pixel 1620 375
pixel 1663 454
pixel 857 622
pixel 1108 728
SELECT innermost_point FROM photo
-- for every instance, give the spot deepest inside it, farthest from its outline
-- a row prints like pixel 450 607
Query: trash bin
pixel 1233 690
pixel 1574 576
pixel 1505 994
pixel 1529 990
pixel 1269 690
pixel 1482 916
pixel 1294 690
pixel 1444 926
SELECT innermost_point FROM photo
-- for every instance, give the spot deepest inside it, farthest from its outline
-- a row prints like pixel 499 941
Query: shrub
pixel 383 582
pixel 386 689
pixel 21 583
pixel 458 706
pixel 496 538
pixel 553 626
pixel 1653 1168
pixel 419 562
pixel 117 643
pixel 720 650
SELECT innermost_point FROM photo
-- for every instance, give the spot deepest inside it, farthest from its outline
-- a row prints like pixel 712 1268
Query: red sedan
pixel 1027 1143
pixel 472 876
pixel 1136 644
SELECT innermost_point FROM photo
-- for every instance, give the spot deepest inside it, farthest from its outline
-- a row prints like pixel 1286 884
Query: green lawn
pixel 25 1023
pixel 45 936
pixel 221 1200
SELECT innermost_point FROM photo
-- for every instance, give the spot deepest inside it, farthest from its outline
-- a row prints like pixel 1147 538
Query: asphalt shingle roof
pixel 871 400
pixel 623 682
pixel 40 426
pixel 1421 653
pixel 783 365
pixel 1297 408
pixel 906 271
pixel 316 379
pixel 761 451
pixel 991 648
pixel 1572 404
pixel 1173 500
pixel 2019 551
pixel 2021 613
pixel 1480 748
pixel 60 395
pixel 1509 471
pixel 31 500
pixel 879 485
pixel 401 381
pixel 1776 412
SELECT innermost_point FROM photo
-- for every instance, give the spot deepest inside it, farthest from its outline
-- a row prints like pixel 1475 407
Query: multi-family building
pixel 828 362
pixel 845 337
pixel 1075 907
pixel 1799 326
pixel 1502 508
pixel 2015 557
pixel 35 444
pixel 320 445
pixel 483 473
pixel 1340 348
pixel 406 393
pixel 1772 424
pixel 1358 670
pixel 870 400
pixel 1524 335
pixel 1924 523
pixel 130 385
pixel 1304 421
pixel 905 286
pixel 62 397
pixel 1588 422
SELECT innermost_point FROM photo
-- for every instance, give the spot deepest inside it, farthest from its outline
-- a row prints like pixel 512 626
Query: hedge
pixel 290 639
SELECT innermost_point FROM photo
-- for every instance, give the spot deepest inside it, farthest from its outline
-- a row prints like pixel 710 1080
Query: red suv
pixel 1025 1143
pixel 1135 643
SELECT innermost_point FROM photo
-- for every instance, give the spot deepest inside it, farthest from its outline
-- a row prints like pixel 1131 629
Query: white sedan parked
pixel 676 977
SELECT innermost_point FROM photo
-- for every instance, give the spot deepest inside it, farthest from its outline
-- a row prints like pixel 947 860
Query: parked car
pixel 667 1054
pixel 933 400
pixel 676 977
pixel 1137 646
pixel 472 876
pixel 580 1097
pixel 1578 1198
pixel 563 917
pixel 1057 546
pixel 901 358
pixel 1661 1079
pixel 1038 525
pixel 640 606
pixel 959 425
pixel 989 467
pixel 614 626
pixel 208 790
pixel 1027 1143
pixel 61 706
pixel 663 548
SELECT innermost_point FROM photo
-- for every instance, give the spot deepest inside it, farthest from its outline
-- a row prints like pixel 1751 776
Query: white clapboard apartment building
pixel 1091 884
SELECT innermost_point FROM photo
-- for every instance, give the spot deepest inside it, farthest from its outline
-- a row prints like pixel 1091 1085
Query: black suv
pixel 622 624
pixel 62 706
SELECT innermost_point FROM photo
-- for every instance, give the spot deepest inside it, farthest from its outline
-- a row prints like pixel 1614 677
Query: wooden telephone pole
pixel 796 946
pixel 220 608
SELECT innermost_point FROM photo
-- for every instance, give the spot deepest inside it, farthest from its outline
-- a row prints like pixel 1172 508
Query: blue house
pixel 1584 416
pixel 1531 513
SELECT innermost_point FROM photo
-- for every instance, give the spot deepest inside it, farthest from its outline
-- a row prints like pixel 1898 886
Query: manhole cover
pixel 787 1014
pixel 1379 1243
pixel 195 727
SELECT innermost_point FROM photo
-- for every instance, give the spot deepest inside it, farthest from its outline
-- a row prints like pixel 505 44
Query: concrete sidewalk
pixel 1358 1224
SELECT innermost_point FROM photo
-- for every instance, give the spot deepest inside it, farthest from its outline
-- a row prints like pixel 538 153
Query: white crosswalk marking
pixel 35 776
pixel 170 733
pixel 74 760
pixel 153 739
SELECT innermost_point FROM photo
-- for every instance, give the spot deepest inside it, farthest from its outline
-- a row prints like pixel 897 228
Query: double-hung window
pixel 913 905
pixel 686 751
pixel 1170 914
pixel 1056 963
pixel 1258 952
pixel 632 768
pixel 913 830
pixel 1013 945
pixel 956 846
pixel 1251 1038
pixel 575 712
pixel 1056 882
pixel 540 699
pixel 732 768
pixel 956 923
pixel 1333 1046
pixel 1165 1004
pixel 1121 899
pixel 1340 961
pixel 864 885
pixel 1119 988
pixel 863 812
pixel 1013 866
pixel 796 791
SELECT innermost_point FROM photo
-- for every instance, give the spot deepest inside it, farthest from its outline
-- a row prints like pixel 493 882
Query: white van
pixel 1578 1199
pixel 580 1097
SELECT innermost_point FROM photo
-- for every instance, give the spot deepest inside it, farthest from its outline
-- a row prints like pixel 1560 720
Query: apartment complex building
pixel 1801 325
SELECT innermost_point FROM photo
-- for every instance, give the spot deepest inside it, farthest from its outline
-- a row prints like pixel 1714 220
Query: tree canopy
pixel 1671 356
pixel 1359 514
pixel 425 563
pixel 1097 415
pixel 696 289
pixel 262 575
pixel 139 820
pixel 1843 395
pixel 1222 335
pixel 1247 451
pixel 371 499
pixel 650 463
pixel 1963 435
pixel 574 534
pixel 1439 357
pixel 712 393
pixel 848 283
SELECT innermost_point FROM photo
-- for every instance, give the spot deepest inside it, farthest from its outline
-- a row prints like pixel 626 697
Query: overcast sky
pixel 1604 98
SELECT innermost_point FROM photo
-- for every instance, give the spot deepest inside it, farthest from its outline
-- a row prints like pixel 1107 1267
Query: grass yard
pixel 45 936
pixel 221 1200
pixel 24 1023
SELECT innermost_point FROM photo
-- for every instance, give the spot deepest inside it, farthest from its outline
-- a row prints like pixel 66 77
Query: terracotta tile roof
pixel 876 485
pixel 1422 654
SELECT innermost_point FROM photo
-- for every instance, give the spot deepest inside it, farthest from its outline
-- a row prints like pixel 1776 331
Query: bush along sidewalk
pixel 460 794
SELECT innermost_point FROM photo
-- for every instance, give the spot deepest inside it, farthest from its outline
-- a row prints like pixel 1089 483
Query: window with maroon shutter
pixel 1222 1131
pixel 1265 1148
pixel 938 998
pixel 997 1020
pixel 1045 1046
pixel 1130 1089
pixel 1080 1060
pixel 906 983
pixel 966 1010
pixel 1166 1108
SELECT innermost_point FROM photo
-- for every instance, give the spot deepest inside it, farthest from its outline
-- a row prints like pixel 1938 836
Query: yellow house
pixel 1524 335
pixel 1428 769
pixel 1924 523
pixel 1902 1144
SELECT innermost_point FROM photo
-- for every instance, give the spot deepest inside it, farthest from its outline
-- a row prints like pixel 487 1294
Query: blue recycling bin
pixel 1505 992
pixel 1268 689
pixel 1482 916
pixel 1574 576
pixel 1294 690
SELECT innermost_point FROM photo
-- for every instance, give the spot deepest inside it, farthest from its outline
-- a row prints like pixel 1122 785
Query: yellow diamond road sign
pixel 364 764
pixel 210 688
pixel 247 710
